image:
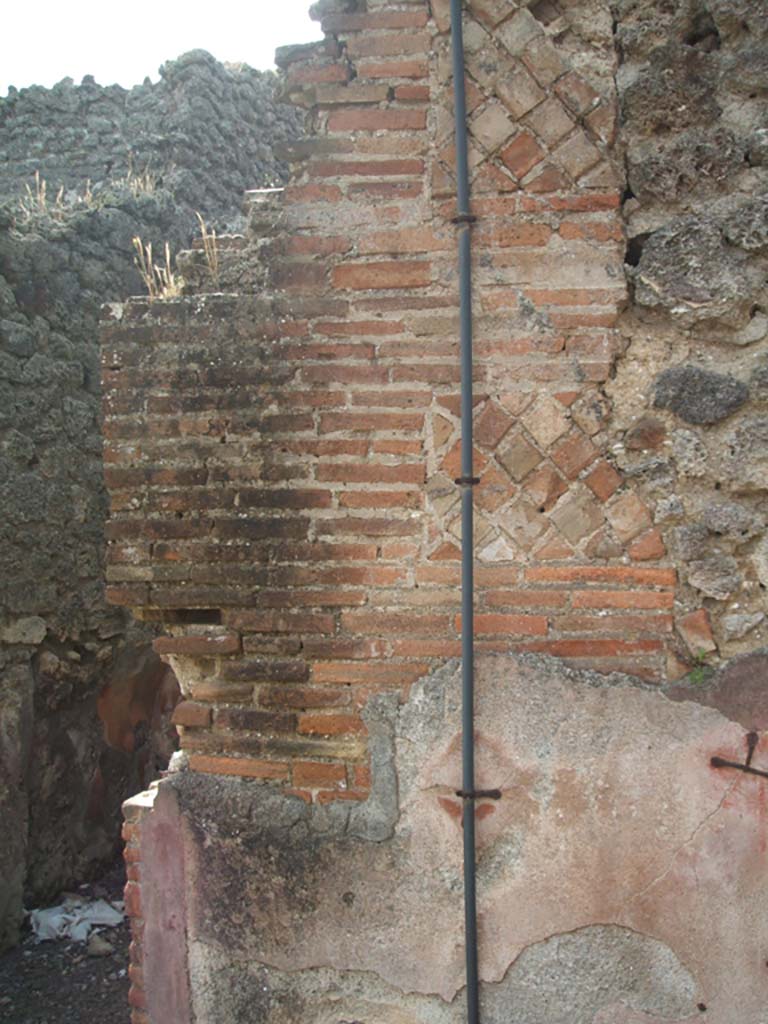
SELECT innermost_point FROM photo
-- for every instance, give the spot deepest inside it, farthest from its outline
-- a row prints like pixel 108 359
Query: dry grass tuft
pixel 159 279
pixel 210 249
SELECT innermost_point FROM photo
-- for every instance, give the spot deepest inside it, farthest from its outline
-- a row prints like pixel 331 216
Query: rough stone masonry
pixel 281 457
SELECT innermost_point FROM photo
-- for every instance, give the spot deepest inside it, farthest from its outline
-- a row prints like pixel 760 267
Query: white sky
pixel 125 42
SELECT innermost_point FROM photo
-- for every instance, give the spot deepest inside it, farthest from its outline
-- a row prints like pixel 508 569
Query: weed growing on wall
pixel 160 279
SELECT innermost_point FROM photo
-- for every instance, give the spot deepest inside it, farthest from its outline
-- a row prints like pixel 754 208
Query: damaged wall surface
pixel 84 703
pixel 282 461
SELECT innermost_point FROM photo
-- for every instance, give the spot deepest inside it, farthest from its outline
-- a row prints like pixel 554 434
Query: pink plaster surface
pixel 164 906
pixel 611 815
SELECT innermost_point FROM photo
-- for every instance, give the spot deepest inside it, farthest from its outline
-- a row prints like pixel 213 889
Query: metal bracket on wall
pixel 479 794
pixel 752 740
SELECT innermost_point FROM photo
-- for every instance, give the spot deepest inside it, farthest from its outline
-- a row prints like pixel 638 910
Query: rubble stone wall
pixel 84 704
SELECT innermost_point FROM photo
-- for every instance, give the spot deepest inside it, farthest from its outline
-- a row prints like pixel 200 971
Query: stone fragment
pixel 755 330
pixel 699 396
pixel 675 90
pixel 760 561
pixel 758 380
pixel 29 631
pixel 524 524
pixel 693 162
pixel 688 270
pixel 520 30
pixel 745 458
pixel 757 148
pixel 747 226
pixel 646 433
pixel 690 453
pixel 99 946
pixel 668 508
pixel 518 456
pixel 739 625
pixel 690 541
pixel 727 519
pixel 545 420
pixel 696 631
pixel 628 517
pixel 717 576
pixel 577 516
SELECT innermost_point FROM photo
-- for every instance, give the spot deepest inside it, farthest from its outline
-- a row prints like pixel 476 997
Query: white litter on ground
pixel 75 919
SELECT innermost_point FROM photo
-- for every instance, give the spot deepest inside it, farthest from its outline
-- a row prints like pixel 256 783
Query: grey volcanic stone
pixel 746 455
pixel 727 519
pixel 748 226
pixel 688 270
pixel 674 91
pixel 715 577
pixel 699 396
pixel 757 147
pixel 694 160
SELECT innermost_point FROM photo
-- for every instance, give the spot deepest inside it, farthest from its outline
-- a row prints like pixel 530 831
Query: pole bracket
pixel 467 481
pixel 464 218
pixel 720 762
pixel 479 794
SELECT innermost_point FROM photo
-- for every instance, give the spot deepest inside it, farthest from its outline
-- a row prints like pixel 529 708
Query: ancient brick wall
pixel 281 464
pixel 286 463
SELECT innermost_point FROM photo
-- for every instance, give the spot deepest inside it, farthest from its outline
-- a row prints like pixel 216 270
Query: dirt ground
pixel 58 983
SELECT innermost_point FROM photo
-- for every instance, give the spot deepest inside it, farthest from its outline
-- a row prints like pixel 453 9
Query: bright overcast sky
pixel 125 42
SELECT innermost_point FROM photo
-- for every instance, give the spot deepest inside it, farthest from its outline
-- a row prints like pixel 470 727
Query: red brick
pixel 392 69
pixel 372 473
pixel 384 19
pixel 210 646
pixel 390 44
pixel 525 598
pixel 190 714
pixel 497 623
pixel 247 767
pixel 360 168
pixel 594 648
pixel 138 1001
pixel 377 120
pixel 628 516
pixel 603 481
pixel 331 725
pixel 696 631
pixel 602 624
pixel 383 275
pixel 390 672
pixel 647 547
pixel 318 774
pixel 412 93
pixel 281 622
pixel 523 153
pixel 303 697
pixel 602 574
pixel 132 896
pixel 574 454
pixel 622 599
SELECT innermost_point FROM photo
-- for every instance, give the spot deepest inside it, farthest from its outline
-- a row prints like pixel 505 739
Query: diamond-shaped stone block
pixel 518 456
pixel 577 516
pixel 544 61
pixel 629 516
pixel 576 155
pixel 519 31
pixel 545 420
pixel 492 126
pixel 524 524
pixel 491 425
pixel 522 154
pixel 519 90
pixel 551 121
pixel 544 487
pixel 495 489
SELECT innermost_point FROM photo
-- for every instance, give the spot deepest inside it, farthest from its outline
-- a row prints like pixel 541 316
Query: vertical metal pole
pixel 466 482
